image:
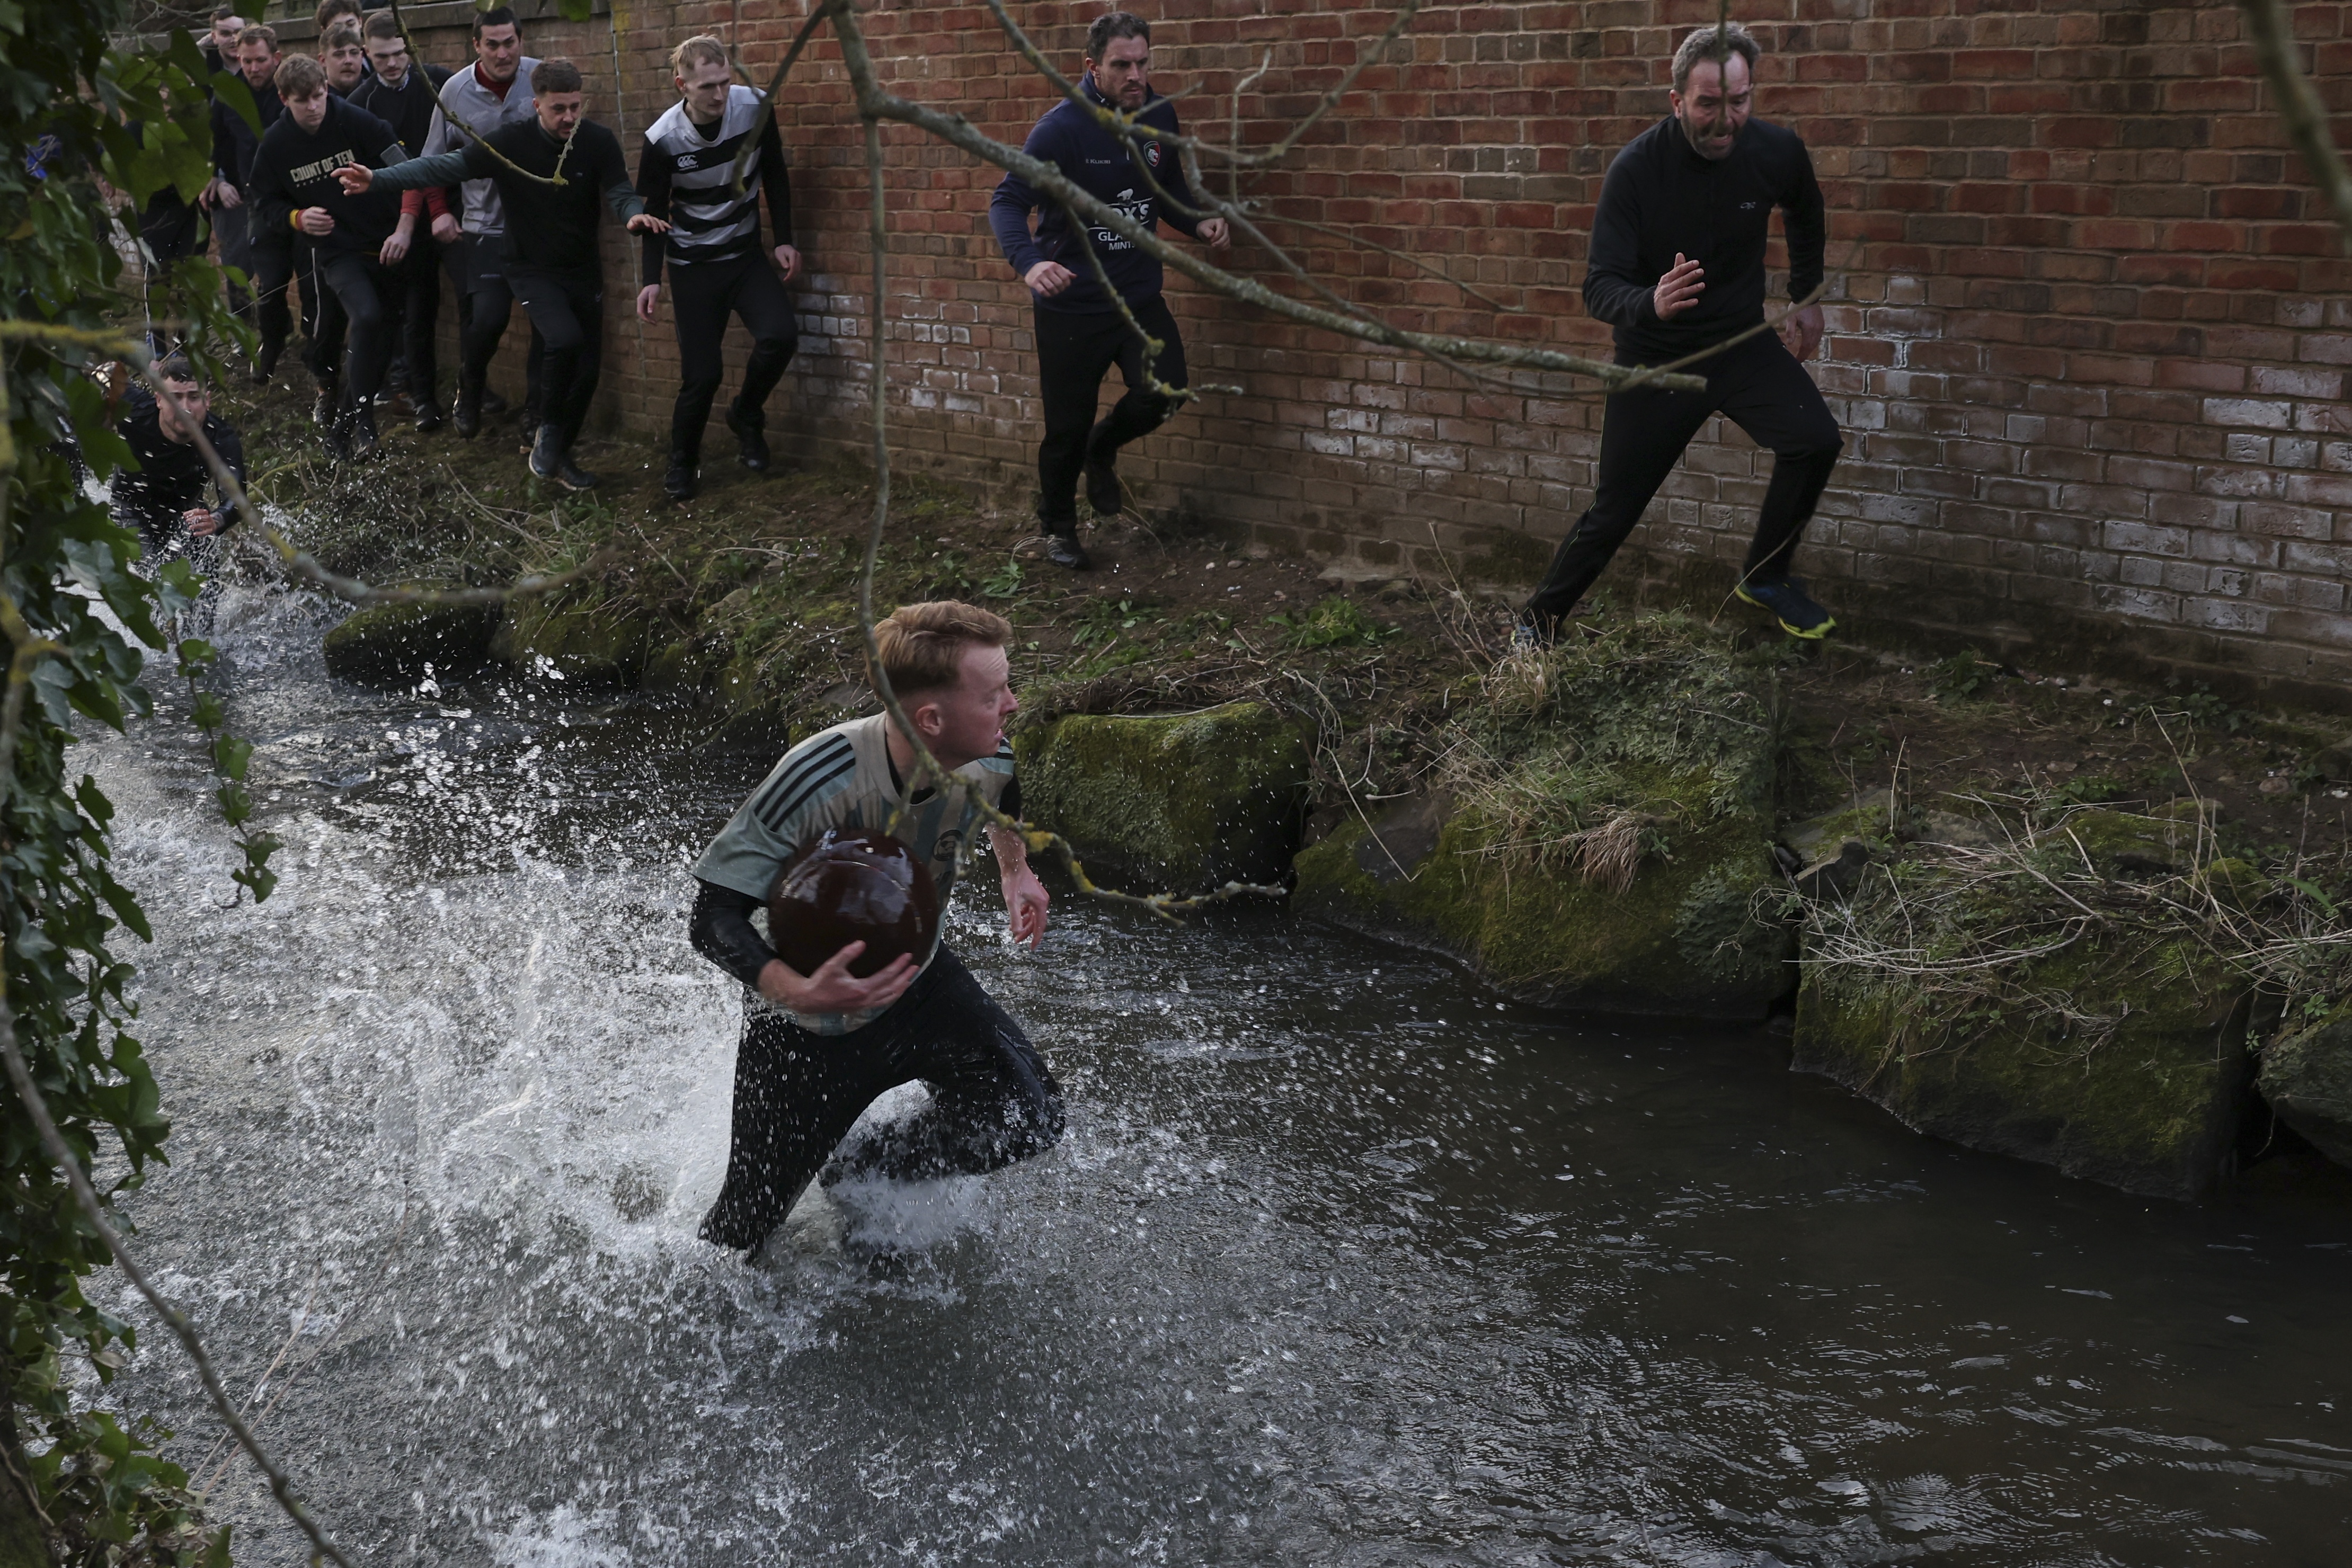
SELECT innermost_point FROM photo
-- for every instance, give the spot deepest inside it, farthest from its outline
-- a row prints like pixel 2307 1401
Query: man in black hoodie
pixel 1677 265
pixel 296 192
pixel 552 261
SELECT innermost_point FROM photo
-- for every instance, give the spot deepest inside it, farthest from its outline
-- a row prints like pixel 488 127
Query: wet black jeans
pixel 1759 387
pixel 994 1101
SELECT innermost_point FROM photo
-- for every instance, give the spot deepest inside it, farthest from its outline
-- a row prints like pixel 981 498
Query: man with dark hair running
pixel 297 195
pixel 491 93
pixel 163 496
pixel 1676 266
pixel 817 1049
pixel 1080 332
pixel 551 261
pixel 404 94
pixel 716 267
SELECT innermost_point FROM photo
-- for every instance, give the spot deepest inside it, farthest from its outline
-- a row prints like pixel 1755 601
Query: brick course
pixel 2087 330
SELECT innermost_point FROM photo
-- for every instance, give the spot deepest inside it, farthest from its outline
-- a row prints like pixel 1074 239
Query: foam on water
pixel 1306 1282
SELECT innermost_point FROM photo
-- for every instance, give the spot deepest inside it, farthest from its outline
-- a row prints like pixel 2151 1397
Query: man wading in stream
pixel 818 1049
pixel 1677 265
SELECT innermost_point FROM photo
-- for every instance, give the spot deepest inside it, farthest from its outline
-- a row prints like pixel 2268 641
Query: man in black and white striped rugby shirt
pixel 716 267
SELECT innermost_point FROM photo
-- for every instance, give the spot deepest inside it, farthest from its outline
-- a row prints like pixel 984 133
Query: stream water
pixel 1342 1261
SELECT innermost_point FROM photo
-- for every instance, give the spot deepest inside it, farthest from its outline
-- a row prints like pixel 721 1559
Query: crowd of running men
pixel 373 174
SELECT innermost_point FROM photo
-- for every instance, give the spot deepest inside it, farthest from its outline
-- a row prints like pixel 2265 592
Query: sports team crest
pixel 1151 153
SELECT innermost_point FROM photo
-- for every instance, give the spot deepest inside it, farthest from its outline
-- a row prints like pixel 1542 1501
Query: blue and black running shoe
pixel 1785 598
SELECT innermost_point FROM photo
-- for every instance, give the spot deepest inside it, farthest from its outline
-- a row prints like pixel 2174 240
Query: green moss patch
pixel 1177 802
pixel 398 644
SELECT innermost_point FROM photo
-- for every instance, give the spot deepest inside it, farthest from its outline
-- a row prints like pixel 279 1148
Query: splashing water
pixel 1341 1262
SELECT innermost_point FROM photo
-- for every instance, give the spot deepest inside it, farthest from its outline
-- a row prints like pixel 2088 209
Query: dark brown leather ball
pixel 852 886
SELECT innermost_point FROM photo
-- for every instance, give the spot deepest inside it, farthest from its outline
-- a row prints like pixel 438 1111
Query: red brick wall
pixel 2089 331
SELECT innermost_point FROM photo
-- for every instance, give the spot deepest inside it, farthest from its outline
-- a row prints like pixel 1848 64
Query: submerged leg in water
pixel 797 1094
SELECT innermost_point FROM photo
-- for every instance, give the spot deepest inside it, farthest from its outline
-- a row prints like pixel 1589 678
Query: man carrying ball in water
pixel 817 1049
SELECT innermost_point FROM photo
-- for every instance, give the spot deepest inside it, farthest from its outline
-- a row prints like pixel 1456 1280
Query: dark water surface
pixel 1341 1262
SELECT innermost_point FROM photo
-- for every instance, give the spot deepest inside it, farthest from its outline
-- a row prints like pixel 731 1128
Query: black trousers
pixel 1759 386
pixel 703 295
pixel 489 301
pixel 273 269
pixel 567 315
pixel 1075 350
pixel 415 299
pixel 357 284
pixel 994 1101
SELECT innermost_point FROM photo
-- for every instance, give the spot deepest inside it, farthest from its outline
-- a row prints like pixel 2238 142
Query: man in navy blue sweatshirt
pixel 1080 333
pixel 1677 265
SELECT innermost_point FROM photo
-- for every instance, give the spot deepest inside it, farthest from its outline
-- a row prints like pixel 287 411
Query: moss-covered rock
pixel 2308 1080
pixel 2139 1081
pixel 1605 840
pixel 391 644
pixel 1682 941
pixel 1178 802
pixel 581 640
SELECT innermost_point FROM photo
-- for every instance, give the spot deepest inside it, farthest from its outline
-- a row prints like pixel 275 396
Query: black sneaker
pixel 1785 598
pixel 359 439
pixel 429 416
pixel 550 462
pixel 1104 494
pixel 324 408
pixel 1063 550
pixel 750 441
pixel 468 417
pixel 678 483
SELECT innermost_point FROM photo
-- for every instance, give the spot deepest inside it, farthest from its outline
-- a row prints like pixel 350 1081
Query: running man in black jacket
pixel 1677 265
pixel 552 263
pixel 1080 333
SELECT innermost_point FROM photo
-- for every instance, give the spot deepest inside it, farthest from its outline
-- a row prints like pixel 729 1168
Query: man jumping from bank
pixel 1678 265
pixel 716 267
pixel 817 1049
pixel 1080 333
pixel 550 258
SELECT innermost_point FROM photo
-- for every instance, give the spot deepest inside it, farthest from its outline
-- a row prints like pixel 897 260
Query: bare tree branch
pixel 2299 106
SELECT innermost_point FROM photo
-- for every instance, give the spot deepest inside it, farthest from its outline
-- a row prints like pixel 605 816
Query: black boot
pixel 550 460
pixel 265 364
pixel 429 416
pixel 468 417
pixel 750 439
pixel 678 483
pixel 359 439
pixel 323 410
pixel 1061 547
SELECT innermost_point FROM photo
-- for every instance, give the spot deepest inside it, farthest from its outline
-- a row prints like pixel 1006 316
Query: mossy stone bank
pixel 580 639
pixel 1177 802
pixel 2308 1080
pixel 1602 838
